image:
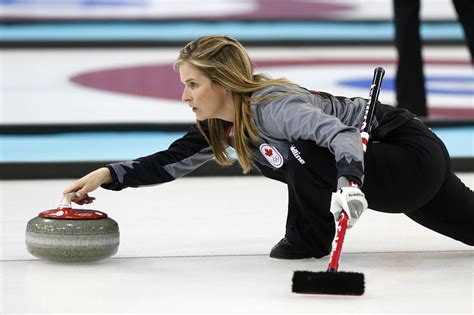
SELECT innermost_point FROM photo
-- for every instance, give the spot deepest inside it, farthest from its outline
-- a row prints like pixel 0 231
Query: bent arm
pixel 292 118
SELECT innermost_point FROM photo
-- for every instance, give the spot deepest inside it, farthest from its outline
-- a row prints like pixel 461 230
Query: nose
pixel 185 97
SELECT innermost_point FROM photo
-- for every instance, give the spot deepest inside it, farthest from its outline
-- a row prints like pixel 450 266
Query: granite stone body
pixel 70 240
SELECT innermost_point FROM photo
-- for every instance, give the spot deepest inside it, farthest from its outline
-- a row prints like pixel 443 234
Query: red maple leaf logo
pixel 269 152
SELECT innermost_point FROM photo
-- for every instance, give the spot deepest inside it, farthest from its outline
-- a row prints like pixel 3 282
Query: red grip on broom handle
pixel 337 243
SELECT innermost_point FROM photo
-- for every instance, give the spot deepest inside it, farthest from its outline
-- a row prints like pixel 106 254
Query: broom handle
pixel 364 132
pixel 337 243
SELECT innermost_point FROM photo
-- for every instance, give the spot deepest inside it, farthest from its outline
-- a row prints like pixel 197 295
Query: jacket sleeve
pixel 183 155
pixel 293 118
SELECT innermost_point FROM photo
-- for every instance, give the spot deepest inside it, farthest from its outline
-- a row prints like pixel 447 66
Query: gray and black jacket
pixel 330 121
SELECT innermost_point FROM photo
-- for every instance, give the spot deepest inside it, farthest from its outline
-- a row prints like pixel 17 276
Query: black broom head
pixel 339 283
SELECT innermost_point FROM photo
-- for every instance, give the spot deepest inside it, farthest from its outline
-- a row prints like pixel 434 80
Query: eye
pixel 192 85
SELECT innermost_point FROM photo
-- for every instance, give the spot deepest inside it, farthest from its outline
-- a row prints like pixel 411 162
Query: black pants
pixel 410 84
pixel 407 172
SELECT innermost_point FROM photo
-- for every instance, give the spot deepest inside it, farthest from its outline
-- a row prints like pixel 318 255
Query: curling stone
pixel 72 235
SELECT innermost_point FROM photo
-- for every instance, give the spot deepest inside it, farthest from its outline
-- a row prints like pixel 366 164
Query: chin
pixel 201 118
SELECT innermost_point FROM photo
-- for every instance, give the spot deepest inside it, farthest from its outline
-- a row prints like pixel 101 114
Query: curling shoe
pixel 284 249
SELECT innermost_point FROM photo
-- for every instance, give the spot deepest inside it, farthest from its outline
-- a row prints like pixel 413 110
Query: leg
pixel 404 170
pixel 310 224
pixel 412 173
pixel 465 11
pixel 450 212
pixel 410 83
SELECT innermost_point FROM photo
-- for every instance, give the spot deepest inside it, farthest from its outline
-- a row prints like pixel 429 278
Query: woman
pixel 308 140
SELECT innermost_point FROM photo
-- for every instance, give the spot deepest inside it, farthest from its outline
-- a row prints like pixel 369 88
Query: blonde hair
pixel 225 61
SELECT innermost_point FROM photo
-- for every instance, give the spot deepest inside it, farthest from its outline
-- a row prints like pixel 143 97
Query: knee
pixel 314 237
pixel 321 252
pixel 318 249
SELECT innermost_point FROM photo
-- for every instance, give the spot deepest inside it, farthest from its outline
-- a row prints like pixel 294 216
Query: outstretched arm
pixel 183 155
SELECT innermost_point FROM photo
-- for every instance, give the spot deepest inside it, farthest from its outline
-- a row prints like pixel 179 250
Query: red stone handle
pixel 65 211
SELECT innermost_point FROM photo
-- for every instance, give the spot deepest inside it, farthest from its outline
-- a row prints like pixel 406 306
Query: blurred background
pixel 87 82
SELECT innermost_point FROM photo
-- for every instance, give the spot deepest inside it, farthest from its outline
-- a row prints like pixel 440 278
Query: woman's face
pixel 206 98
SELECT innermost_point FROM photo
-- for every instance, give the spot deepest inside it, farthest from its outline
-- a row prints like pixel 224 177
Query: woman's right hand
pixel 88 183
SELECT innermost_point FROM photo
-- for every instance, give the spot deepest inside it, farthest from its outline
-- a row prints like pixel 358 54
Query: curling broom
pixel 333 281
